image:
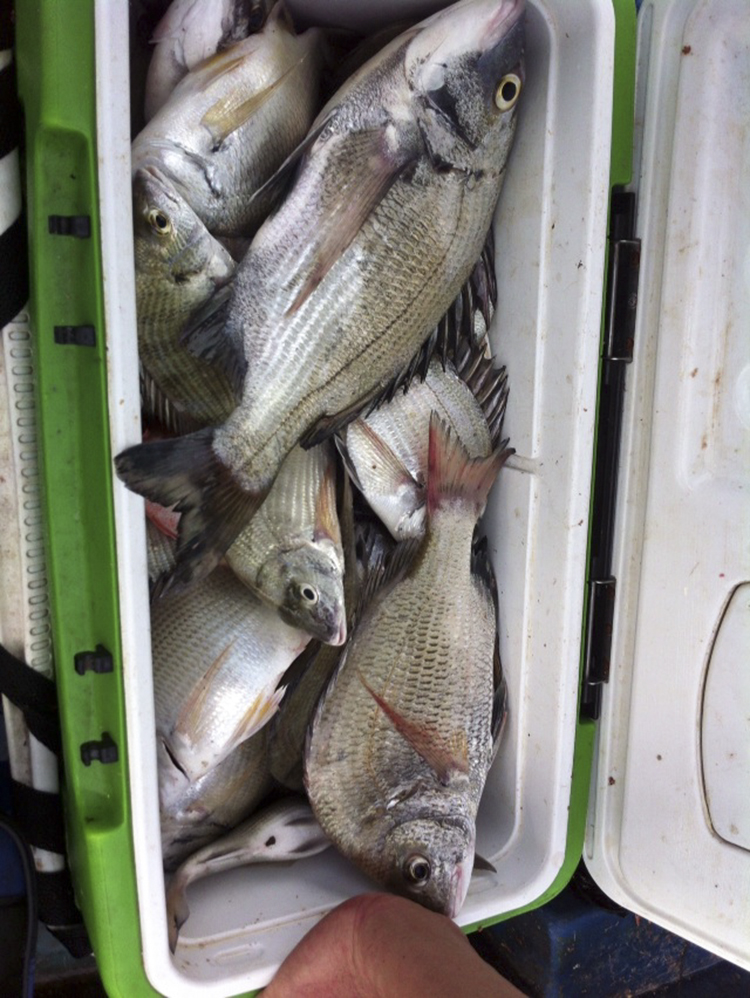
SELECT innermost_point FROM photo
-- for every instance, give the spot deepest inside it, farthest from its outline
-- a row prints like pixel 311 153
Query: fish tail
pixel 186 473
pixel 455 478
pixel 177 907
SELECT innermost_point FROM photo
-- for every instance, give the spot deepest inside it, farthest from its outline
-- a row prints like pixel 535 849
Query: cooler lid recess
pixel 669 816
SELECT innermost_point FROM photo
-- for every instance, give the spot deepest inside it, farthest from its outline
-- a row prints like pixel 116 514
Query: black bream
pixel 218 653
pixel 232 121
pixel 191 31
pixel 401 743
pixel 178 267
pixel 386 452
pixel 395 193
pixel 290 553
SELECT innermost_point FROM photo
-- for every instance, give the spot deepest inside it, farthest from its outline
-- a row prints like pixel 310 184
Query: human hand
pixel 384 946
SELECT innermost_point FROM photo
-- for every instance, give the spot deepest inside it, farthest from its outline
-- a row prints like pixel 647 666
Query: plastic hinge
pixel 98 661
pixel 104 751
pixel 70 225
pixel 598 645
pixel 617 353
pixel 78 336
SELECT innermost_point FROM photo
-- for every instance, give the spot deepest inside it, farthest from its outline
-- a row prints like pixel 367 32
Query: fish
pixel 309 676
pixel 386 452
pixel 393 196
pixel 232 121
pixel 290 554
pixel 218 655
pixel 284 831
pixel 178 267
pixel 195 813
pixel 402 739
pixel 192 31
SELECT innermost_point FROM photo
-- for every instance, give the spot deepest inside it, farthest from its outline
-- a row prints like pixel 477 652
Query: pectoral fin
pixel 228 113
pixel 445 756
pixel 371 169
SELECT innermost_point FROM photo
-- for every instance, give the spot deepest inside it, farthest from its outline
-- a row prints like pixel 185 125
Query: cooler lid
pixel 669 816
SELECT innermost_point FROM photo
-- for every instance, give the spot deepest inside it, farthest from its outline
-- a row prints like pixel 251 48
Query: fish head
pixel 170 240
pixel 430 861
pixel 466 66
pixel 306 584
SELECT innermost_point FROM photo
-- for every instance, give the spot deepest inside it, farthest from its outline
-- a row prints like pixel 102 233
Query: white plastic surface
pixel 682 551
pixel 550 238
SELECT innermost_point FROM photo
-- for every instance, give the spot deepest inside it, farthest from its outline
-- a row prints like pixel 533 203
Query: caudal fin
pixel 453 477
pixel 186 473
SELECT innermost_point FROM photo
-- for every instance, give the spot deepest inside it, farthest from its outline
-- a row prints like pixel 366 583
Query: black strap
pixel 14 270
pixel 40 815
pixel 10 111
pixel 59 912
pixel 35 695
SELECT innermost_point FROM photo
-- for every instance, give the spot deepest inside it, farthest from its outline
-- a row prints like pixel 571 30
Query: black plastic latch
pixel 598 645
pixel 104 751
pixel 94 661
pixel 70 225
pixel 78 336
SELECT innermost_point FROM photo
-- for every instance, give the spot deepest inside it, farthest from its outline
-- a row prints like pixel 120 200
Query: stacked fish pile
pixel 313 294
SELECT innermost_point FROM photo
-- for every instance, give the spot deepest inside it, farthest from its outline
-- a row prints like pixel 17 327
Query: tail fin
pixel 186 473
pixel 453 477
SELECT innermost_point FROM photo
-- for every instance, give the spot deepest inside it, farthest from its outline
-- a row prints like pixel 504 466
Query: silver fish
pixel 218 654
pixel 402 740
pixel 387 451
pixel 290 553
pixel 231 122
pixel 309 676
pixel 195 813
pixel 191 31
pixel 393 198
pixel 282 832
pixel 178 267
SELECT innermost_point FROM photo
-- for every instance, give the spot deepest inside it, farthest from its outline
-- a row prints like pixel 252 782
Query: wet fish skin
pixel 231 122
pixel 387 450
pixel 371 276
pixel 195 813
pixel 288 729
pixel 290 553
pixel 400 745
pixel 284 831
pixel 191 31
pixel 218 655
pixel 178 267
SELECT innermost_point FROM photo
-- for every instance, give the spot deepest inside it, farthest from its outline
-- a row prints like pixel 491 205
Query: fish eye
pixel 309 594
pixel 417 870
pixel 159 221
pixel 508 91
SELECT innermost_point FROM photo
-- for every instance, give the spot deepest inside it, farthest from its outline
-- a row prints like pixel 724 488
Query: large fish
pixel 232 121
pixel 401 742
pixel 219 653
pixel 387 451
pixel 195 813
pixel 178 267
pixel 191 31
pixel 290 553
pixel 282 832
pixel 394 195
